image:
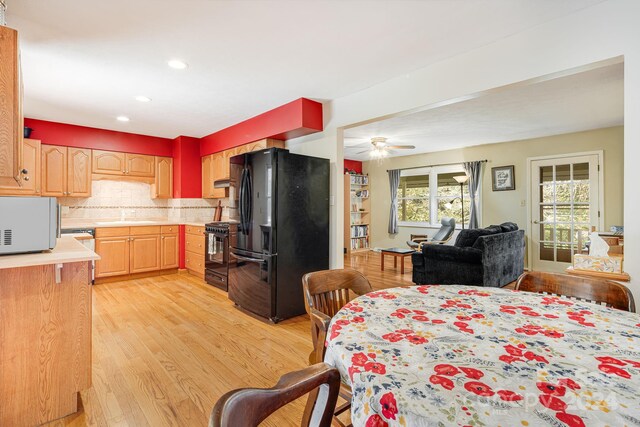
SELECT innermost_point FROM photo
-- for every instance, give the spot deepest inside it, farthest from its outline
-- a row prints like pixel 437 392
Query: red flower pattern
pixel 552 402
pixel 461 309
pixel 376 420
pixel 375 367
pixel 481 389
pixel 570 419
pixel 443 381
pixel 611 369
pixel 509 396
pixel 388 404
pixel 446 369
pixel 472 373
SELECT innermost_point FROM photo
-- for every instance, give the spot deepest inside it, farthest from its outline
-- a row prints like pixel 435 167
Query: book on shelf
pixel 359 243
pixel 361 193
pixel 359 230
pixel 359 179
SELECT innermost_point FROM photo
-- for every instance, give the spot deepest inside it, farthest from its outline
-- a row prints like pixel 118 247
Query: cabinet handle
pixel 24 171
pixel 26 178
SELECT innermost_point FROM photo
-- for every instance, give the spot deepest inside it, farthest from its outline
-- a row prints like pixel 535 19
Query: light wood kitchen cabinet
pixel 169 253
pixel 163 186
pixel 31 178
pixel 114 256
pixel 218 162
pixel 11 120
pixel 207 177
pixel 123 164
pixel 140 165
pixel 144 253
pixel 79 172
pixel 66 171
pixel 140 249
pixel 45 344
pixel 54 170
pixel 216 166
pixel 108 162
pixel 194 250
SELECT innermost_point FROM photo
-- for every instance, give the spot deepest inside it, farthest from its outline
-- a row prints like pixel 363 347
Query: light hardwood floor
pixel 166 348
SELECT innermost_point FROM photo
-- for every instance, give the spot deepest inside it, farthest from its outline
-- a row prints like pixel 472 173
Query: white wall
pixel 603 31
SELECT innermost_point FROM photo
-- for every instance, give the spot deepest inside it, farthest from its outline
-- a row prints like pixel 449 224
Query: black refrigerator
pixel 279 229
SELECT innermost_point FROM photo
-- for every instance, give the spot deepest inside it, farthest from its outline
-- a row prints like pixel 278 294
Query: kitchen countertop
pixel 108 222
pixel 67 250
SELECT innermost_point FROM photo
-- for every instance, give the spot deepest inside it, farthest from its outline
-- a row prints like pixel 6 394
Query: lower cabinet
pixel 194 250
pixel 131 250
pixel 145 254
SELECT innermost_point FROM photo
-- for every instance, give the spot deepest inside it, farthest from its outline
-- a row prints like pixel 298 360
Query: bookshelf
pixel 357 215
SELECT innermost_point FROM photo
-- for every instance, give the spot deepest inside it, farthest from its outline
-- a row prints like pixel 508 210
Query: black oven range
pixel 217 254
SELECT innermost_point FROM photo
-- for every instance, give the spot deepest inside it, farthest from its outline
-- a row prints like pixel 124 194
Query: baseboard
pixel 134 276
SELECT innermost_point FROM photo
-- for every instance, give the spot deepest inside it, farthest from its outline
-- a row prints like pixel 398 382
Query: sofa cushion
pixel 508 226
pixel 446 253
pixel 466 238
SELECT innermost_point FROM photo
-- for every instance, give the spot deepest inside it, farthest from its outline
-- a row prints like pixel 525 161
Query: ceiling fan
pixel 380 147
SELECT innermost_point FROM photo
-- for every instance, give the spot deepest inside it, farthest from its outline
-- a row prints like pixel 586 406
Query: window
pixel 413 199
pixel 421 203
pixel 449 201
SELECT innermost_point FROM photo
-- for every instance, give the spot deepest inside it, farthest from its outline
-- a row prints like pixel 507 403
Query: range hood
pixel 222 183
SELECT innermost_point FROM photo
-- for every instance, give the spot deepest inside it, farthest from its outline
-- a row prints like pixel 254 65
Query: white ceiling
pixel 85 60
pixel 588 100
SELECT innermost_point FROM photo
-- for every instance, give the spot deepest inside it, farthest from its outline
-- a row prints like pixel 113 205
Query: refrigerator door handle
pixel 241 198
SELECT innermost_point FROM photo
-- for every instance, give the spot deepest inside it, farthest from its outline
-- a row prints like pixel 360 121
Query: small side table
pixel 401 253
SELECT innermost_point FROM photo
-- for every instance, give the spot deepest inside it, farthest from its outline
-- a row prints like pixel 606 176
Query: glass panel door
pixel 565 200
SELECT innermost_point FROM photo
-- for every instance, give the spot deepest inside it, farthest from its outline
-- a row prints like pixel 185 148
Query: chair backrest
pixel 250 406
pixel 447 229
pixel 599 291
pixel 329 290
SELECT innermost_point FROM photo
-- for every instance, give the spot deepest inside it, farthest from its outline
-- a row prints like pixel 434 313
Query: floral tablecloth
pixel 459 355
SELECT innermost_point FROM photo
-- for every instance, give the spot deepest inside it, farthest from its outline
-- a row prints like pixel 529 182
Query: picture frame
pixel 503 178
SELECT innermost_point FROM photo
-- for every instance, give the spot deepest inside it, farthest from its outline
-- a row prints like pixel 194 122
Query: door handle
pixel 536 221
pixel 241 258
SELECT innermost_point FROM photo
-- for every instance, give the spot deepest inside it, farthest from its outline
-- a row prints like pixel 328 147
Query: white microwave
pixel 28 224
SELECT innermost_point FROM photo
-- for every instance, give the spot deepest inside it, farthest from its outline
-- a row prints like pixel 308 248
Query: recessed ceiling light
pixel 177 64
pixel 142 98
pixel 122 118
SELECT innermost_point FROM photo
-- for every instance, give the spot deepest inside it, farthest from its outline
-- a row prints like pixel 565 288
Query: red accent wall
pixel 187 168
pixel 353 165
pixel 67 135
pixel 300 117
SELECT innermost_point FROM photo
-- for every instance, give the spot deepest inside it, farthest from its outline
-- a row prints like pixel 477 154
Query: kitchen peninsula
pixel 46 314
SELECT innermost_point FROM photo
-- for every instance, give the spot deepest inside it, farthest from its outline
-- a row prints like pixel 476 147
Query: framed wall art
pixel 503 178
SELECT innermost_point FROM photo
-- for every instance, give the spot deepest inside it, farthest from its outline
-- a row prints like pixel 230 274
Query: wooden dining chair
pixel 247 407
pixel 325 293
pixel 599 291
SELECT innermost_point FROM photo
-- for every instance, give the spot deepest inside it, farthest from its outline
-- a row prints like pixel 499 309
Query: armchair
pixel 441 237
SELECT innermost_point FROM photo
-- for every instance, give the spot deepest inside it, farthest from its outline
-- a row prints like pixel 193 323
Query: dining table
pixel 440 355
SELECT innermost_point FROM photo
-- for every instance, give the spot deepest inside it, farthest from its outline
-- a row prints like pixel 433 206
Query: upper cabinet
pixel 123 164
pixel 140 165
pixel 109 162
pixel 163 186
pixel 216 166
pixel 66 171
pixel 31 178
pixel 78 172
pixel 11 120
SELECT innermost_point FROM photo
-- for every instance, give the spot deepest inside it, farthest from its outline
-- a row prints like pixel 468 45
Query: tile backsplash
pixel 112 199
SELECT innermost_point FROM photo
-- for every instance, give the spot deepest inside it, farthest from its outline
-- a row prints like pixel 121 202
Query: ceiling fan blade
pixel 360 145
pixel 401 147
pixel 365 151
